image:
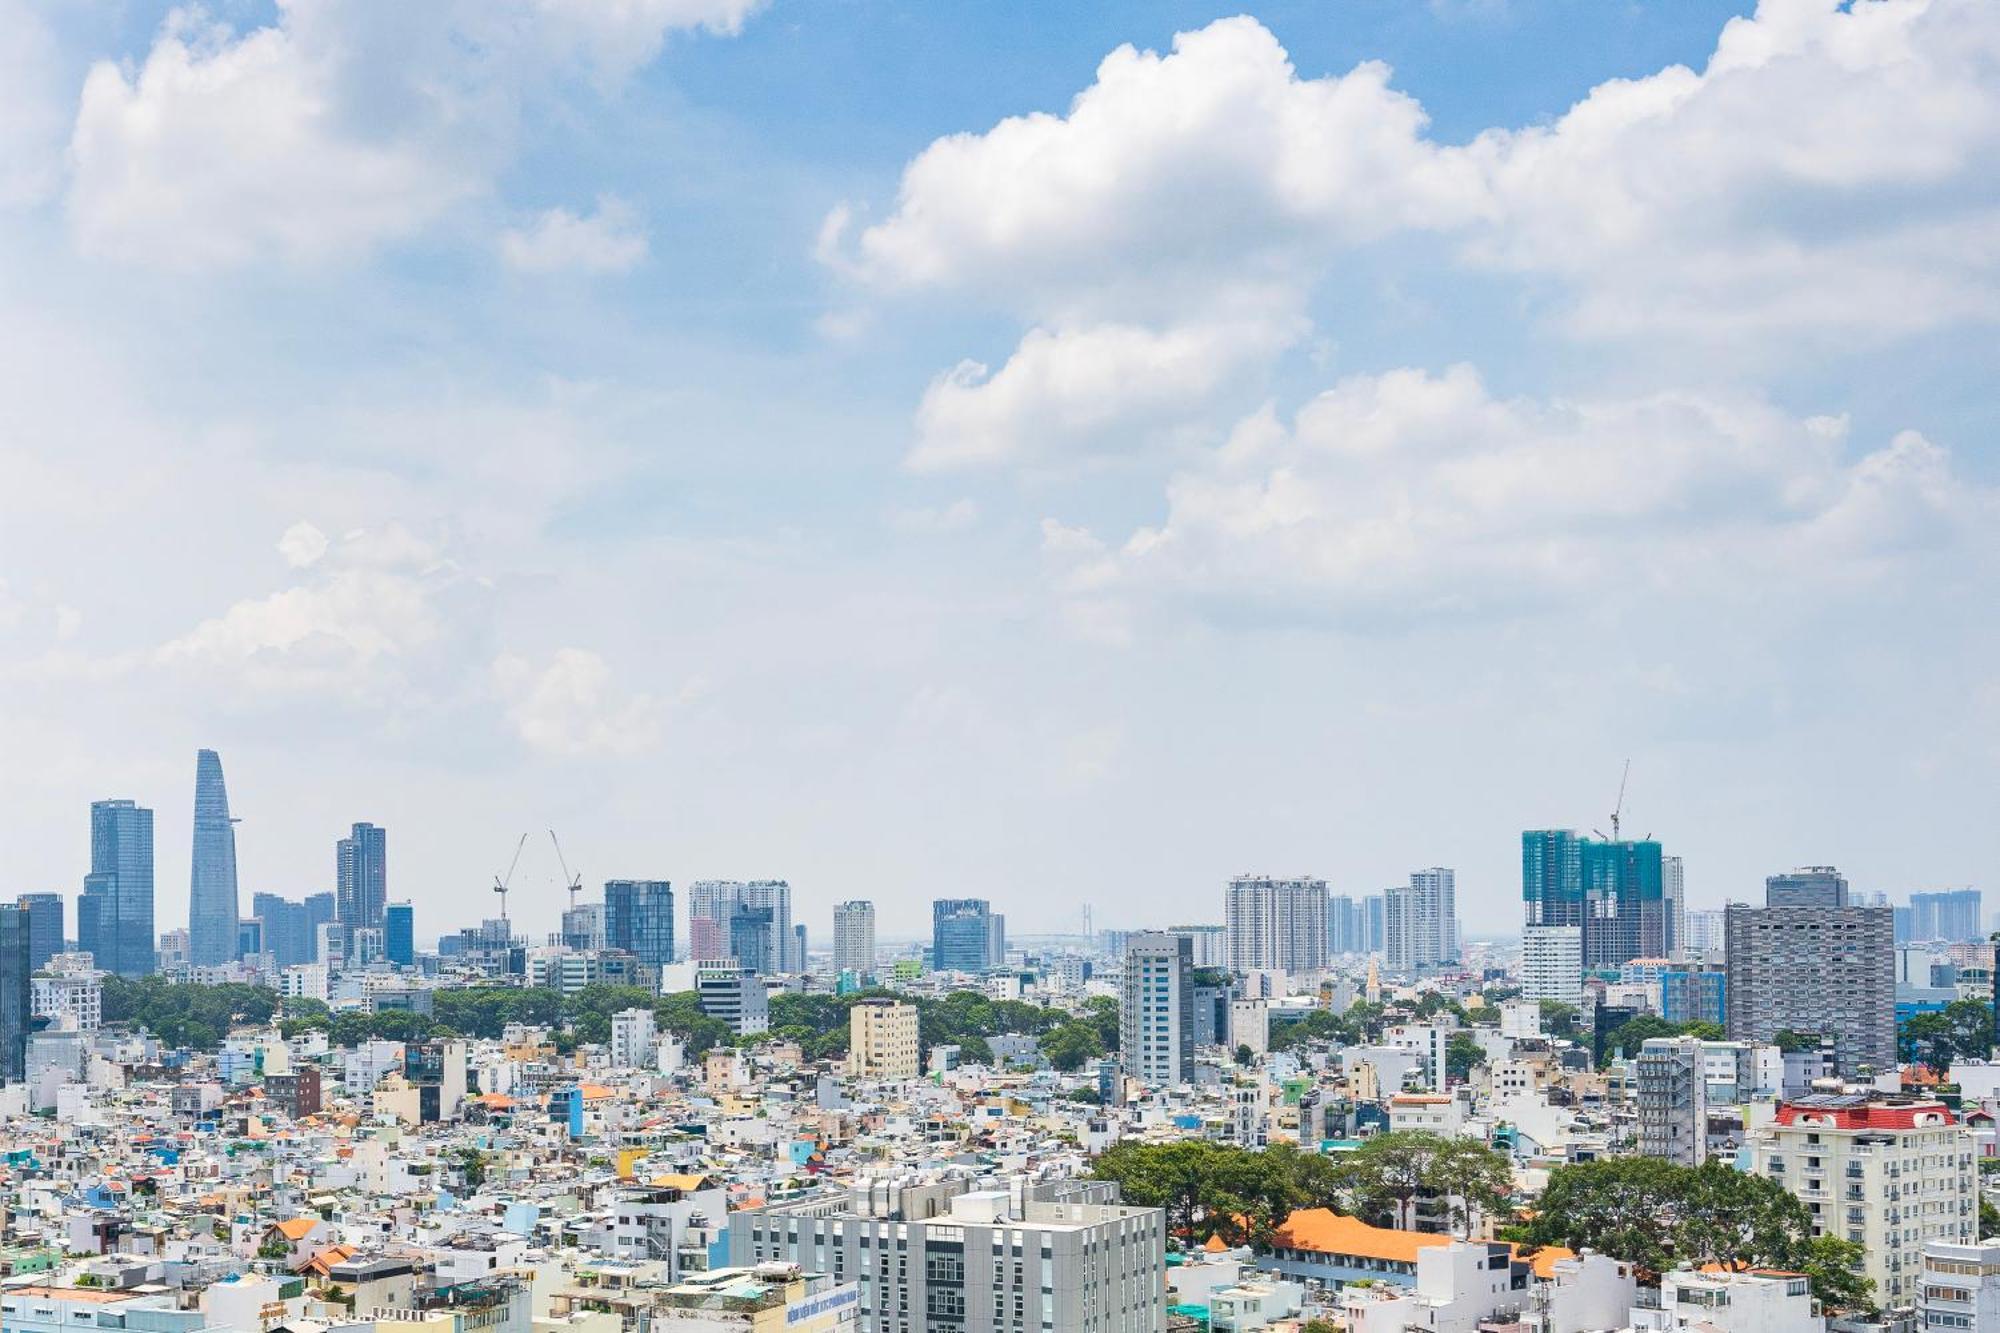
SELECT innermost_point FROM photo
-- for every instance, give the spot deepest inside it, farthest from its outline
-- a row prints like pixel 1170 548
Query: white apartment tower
pixel 854 937
pixel 1156 1011
pixel 1552 964
pixel 1276 924
pixel 1420 921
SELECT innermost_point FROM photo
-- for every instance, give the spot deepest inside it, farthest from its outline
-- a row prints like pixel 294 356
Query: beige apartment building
pixel 882 1039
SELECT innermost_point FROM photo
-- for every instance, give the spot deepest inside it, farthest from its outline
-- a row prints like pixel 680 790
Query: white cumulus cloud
pixel 339 127
pixel 1407 495
pixel 570 705
pixel 609 240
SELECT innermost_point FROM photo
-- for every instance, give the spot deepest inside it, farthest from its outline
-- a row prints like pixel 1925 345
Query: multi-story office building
pixel 1552 964
pixel 1421 919
pixel 1959 1287
pixel 212 909
pixel 725 991
pixel 583 927
pixel 399 934
pixel 1375 931
pixel 1671 1095
pixel 45 927
pixel 934 1256
pixel 882 1039
pixel 1891 1173
pixel 1694 993
pixel 361 876
pixel 1953 915
pixel 1276 924
pixel 16 993
pixel 751 941
pixel 1808 886
pixel 962 935
pixel 1673 893
pixel 854 937
pixel 1825 970
pixel 291 929
pixel 775 896
pixel 1156 1009
pixel 639 918
pixel 114 915
pixel 1615 891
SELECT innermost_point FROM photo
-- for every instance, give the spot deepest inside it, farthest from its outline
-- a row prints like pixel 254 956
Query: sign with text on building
pixel 839 1304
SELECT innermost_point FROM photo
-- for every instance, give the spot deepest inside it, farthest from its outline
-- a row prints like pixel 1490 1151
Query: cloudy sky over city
pixel 1060 453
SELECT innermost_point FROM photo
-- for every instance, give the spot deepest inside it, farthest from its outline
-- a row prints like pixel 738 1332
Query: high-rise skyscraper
pixel 712 906
pixel 1421 921
pixel 639 918
pixel 16 993
pixel 774 896
pixel 1276 924
pixel 212 909
pixel 399 934
pixel 45 927
pixel 1673 892
pixel 1615 891
pixel 1374 923
pixel 1829 971
pixel 1952 915
pixel 854 937
pixel 361 877
pixel 751 939
pixel 961 935
pixel 1808 886
pixel 114 917
pixel 1156 1009
pixel 1346 926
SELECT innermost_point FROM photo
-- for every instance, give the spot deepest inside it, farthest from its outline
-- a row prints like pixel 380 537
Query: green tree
pixel 1461 1055
pixel 1244 1055
pixel 1659 1215
pixel 1559 1019
pixel 1069 1046
pixel 1390 1172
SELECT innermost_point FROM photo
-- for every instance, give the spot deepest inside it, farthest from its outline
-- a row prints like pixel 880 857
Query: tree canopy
pixel 1659 1215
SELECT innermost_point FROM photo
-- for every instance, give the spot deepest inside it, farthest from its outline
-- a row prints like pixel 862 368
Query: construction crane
pixel 500 882
pixel 574 883
pixel 1618 811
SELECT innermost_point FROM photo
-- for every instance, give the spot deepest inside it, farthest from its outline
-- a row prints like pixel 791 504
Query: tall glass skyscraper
pixel 399 934
pixel 361 877
pixel 212 879
pixel 961 935
pixel 639 918
pixel 114 917
pixel 16 993
pixel 45 927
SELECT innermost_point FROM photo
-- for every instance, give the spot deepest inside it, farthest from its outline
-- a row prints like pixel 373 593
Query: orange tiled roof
pixel 297 1228
pixel 1326 1232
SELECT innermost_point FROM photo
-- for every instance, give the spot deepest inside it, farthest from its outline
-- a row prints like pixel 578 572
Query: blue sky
pixel 1065 453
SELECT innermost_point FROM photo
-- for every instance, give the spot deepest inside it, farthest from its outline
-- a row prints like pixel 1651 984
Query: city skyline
pixel 882 440
pixel 362 858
